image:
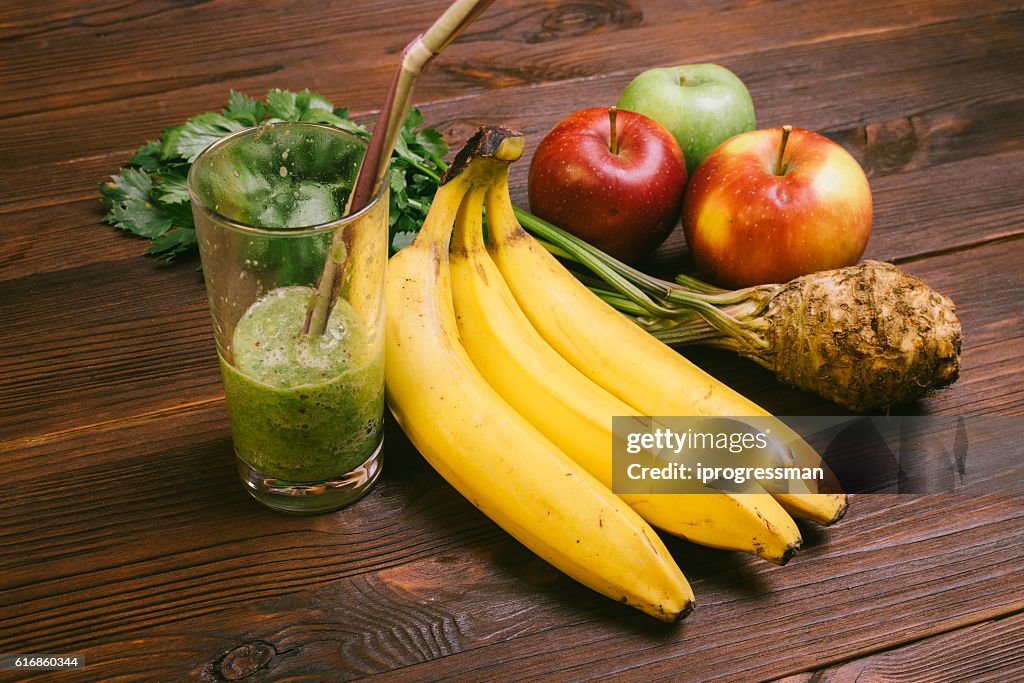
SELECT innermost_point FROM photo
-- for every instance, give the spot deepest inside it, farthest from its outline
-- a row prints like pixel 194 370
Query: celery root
pixel 867 336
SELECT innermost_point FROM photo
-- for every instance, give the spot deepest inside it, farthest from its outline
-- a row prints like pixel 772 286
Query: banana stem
pixel 484 157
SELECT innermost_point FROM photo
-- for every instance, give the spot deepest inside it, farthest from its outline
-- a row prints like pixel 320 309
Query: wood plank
pixel 103 342
pixel 120 40
pixel 912 160
pixel 543 45
pixel 140 519
pixel 796 634
pixel 960 110
pixel 990 651
pixel 144 555
pixel 574 34
pixel 72 235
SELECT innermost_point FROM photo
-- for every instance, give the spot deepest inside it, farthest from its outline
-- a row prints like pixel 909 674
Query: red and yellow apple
pixel 771 205
pixel 613 178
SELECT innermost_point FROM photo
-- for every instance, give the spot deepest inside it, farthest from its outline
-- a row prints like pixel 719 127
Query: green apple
pixel 702 105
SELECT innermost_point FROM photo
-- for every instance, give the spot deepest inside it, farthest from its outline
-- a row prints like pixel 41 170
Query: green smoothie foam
pixel 303 408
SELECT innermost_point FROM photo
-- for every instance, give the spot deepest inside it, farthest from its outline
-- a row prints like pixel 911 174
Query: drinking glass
pixel 305 399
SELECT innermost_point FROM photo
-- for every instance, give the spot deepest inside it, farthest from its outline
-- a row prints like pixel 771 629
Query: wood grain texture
pixel 958 125
pixel 500 53
pixel 990 651
pixel 127 537
pixel 95 351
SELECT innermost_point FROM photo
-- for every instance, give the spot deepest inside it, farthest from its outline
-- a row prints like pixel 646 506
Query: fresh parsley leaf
pixel 321 116
pixel 171 186
pixel 243 109
pixel 147 157
pixel 130 184
pixel 402 240
pixel 398 186
pixel 150 197
pixel 201 132
pixel 128 199
pixel 180 215
pixel 173 243
pixel 281 105
pixel 302 102
pixel 413 119
pixel 404 151
pixel 320 102
pixel 141 218
pixel 432 143
pixel 405 223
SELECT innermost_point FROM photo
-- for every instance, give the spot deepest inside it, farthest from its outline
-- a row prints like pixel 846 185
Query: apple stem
pixel 613 143
pixel 786 130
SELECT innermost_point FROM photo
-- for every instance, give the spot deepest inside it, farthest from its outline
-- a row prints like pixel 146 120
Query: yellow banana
pixel 481 445
pixel 576 414
pixel 623 359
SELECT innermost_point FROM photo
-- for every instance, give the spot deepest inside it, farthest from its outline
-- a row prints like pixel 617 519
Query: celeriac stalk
pixel 866 337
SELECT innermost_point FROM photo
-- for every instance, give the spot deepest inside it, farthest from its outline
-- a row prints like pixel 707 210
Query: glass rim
pixel 263 229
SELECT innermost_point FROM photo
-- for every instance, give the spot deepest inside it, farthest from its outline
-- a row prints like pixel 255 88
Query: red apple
pixel 771 205
pixel 618 187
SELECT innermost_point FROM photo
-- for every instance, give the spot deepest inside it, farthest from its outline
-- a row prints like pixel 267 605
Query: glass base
pixel 311 498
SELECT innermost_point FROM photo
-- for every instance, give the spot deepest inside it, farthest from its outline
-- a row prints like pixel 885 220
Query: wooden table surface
pixel 126 536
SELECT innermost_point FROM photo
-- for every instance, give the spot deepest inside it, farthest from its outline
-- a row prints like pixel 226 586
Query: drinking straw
pixel 415 57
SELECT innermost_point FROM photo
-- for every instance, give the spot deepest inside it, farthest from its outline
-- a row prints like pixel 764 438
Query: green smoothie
pixel 303 408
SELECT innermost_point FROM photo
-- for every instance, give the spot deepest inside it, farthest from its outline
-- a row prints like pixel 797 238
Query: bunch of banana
pixel 505 372
pixel 625 360
pixel 489 452
pixel 576 413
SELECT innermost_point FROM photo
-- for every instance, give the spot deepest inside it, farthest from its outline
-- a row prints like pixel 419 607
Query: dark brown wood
pixel 962 114
pixel 123 342
pixel 990 651
pixel 127 537
pixel 510 50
